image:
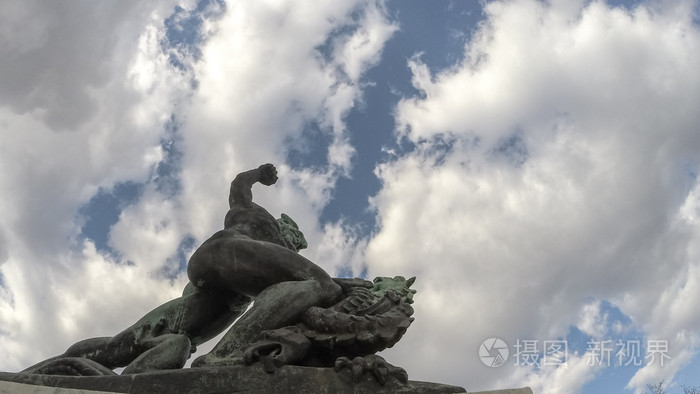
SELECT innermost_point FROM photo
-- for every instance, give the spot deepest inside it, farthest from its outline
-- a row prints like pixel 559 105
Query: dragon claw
pixel 357 368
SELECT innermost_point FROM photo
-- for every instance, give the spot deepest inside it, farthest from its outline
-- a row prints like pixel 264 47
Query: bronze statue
pixel 250 257
pixel 301 316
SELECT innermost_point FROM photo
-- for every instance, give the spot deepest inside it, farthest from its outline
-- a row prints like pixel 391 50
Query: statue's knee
pixel 200 269
pixel 90 345
pixel 176 341
pixel 331 291
pixel 183 344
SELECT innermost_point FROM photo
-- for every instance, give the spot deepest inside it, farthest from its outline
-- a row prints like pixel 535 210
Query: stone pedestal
pixel 21 388
pixel 236 379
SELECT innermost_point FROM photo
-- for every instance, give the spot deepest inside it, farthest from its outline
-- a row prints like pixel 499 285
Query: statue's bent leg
pixel 277 306
pixel 169 351
pixel 112 352
pixel 109 352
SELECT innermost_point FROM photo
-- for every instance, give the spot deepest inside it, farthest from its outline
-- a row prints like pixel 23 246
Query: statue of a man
pixel 250 257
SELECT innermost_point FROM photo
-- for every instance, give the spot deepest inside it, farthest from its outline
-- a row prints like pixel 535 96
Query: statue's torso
pixel 254 222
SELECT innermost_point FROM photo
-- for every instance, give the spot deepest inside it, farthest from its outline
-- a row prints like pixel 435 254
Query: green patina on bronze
pixel 290 232
pixel 398 284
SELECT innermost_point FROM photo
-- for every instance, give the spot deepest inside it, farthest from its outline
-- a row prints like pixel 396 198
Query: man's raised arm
pixel 241 193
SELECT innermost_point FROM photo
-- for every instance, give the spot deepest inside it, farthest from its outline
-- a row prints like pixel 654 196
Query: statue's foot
pixel 210 360
pixel 373 364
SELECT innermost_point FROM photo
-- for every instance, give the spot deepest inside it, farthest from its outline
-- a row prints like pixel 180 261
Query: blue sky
pixel 533 163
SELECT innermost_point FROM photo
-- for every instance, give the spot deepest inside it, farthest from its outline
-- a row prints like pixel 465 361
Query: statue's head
pixel 290 231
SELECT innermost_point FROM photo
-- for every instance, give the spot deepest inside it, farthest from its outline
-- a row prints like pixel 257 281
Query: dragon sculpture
pixel 371 317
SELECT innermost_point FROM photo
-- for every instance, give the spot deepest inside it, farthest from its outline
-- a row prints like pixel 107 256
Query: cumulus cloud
pixel 268 71
pixel 592 321
pixel 554 168
pixel 97 94
pixel 554 379
pixel 76 115
pixel 554 165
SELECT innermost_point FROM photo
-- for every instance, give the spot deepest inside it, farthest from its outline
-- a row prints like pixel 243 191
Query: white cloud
pixel 551 167
pixel 340 249
pixel 666 355
pixel 363 48
pixel 556 379
pixel 76 114
pixel 268 70
pixel 592 321
pixel 86 99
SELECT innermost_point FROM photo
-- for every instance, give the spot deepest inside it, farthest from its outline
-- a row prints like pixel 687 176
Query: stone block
pixel 236 379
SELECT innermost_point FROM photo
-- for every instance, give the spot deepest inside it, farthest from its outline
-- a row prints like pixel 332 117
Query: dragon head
pixel 398 285
pixel 290 231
